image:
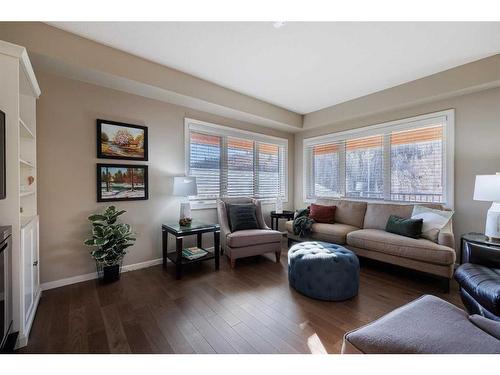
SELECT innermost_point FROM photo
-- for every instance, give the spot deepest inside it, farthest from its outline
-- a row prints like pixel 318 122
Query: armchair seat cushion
pixel 250 237
pixel 481 283
pixel 405 247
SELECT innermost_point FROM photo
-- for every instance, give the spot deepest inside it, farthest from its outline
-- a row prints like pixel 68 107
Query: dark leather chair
pixel 479 280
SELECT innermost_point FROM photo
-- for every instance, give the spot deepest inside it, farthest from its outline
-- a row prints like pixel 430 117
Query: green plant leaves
pixel 110 238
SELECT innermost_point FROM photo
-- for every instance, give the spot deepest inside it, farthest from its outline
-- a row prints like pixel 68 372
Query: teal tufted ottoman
pixel 323 271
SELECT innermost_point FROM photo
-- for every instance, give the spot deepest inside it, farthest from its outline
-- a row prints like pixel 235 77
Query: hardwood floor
pixel 249 309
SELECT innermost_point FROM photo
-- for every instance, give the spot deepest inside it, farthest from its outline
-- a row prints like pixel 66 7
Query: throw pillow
pixel 322 214
pixel 434 221
pixel 404 227
pixel 242 216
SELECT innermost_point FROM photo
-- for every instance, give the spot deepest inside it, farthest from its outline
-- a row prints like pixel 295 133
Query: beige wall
pixel 66 115
pixel 477 150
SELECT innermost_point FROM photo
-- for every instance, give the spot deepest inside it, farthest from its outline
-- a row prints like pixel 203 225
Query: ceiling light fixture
pixel 278 25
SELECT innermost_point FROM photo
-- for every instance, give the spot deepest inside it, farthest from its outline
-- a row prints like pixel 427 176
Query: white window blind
pixel 205 163
pixel 364 168
pixel 231 163
pixel 417 165
pixel 240 168
pixel 271 171
pixel 326 166
pixel 408 160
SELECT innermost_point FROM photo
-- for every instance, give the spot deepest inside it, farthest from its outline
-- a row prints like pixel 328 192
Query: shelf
pixel 26 193
pixel 26 163
pixel 172 255
pixel 25 130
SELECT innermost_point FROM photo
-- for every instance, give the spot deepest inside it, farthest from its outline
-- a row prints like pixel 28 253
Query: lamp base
pixel 492 229
pixel 185 214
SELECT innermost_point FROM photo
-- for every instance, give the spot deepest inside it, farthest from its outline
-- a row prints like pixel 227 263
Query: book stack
pixel 193 253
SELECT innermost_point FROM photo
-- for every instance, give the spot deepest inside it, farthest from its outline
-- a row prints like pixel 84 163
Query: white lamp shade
pixel 487 188
pixel 185 186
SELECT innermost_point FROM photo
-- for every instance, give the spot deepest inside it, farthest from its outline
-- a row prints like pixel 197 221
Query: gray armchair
pixel 250 242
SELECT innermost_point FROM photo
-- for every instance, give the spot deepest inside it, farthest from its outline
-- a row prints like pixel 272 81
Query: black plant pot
pixel 111 273
pixel 108 274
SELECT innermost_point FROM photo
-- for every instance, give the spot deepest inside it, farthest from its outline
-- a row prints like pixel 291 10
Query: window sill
pixel 206 205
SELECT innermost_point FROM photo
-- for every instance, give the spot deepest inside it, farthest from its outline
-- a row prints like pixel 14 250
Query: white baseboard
pixel 93 275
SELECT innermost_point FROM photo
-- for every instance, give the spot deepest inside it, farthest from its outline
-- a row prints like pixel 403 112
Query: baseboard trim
pixel 91 276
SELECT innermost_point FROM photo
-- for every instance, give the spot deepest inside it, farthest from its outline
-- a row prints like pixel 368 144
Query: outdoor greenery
pixel 109 237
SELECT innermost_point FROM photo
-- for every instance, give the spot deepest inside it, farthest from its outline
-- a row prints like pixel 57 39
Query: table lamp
pixel 185 187
pixel 487 188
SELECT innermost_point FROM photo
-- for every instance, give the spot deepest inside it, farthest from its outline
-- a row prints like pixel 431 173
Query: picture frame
pixel 121 141
pixel 122 182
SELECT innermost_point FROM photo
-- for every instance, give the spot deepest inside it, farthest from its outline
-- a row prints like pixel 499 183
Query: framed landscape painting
pixel 122 182
pixel 117 140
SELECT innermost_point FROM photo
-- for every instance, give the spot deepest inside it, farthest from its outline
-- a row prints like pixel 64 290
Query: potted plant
pixel 110 240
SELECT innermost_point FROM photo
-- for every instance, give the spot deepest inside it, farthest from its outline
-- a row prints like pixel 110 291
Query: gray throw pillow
pixel 242 216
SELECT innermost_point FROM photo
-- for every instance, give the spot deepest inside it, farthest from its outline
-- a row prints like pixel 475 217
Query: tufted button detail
pixel 323 270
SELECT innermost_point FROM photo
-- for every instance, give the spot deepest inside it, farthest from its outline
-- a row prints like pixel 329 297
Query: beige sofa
pixel 359 226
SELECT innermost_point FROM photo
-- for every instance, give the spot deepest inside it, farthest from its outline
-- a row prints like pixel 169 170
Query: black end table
pixel 288 215
pixel 179 232
pixel 476 238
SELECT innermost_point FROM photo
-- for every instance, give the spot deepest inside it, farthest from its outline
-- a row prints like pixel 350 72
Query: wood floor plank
pixel 117 340
pixel 249 309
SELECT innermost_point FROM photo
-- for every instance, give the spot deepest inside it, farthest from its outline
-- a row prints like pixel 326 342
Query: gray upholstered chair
pixel 250 242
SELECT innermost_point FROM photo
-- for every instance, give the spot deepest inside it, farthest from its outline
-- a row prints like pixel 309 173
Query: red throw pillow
pixel 322 214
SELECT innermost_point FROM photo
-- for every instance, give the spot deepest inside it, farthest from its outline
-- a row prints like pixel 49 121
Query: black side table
pixel 179 232
pixel 288 215
pixel 476 238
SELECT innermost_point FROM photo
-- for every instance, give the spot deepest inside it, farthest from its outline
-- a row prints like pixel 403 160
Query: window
pixel 234 163
pixel 407 160
pixel 364 171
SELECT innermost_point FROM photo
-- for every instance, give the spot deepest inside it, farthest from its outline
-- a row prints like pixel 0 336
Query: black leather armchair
pixel 479 280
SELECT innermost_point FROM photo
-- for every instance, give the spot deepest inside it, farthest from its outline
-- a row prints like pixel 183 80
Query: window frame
pixel 193 125
pixel 446 117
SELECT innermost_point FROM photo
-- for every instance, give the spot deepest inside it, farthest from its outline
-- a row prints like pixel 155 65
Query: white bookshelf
pixel 18 97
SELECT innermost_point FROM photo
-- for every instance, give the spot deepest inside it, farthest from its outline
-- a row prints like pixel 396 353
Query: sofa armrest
pixel 446 238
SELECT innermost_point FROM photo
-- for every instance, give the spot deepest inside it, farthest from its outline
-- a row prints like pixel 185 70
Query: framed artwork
pixel 122 182
pixel 117 140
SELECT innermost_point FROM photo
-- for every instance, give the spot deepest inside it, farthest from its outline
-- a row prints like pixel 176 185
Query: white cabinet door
pixel 35 256
pixel 27 251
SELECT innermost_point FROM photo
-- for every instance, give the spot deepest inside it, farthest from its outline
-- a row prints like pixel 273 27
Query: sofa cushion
pixel 393 244
pixel 242 216
pixel 250 237
pixel 322 214
pixel 377 214
pixel 404 227
pixel 347 212
pixel 434 220
pixel 481 283
pixel 333 233
pixel 427 325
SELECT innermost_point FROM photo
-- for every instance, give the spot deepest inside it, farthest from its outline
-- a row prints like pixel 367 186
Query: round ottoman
pixel 323 271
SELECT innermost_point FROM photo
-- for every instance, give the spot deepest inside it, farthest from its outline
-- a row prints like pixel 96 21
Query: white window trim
pixel 448 116
pixel 220 130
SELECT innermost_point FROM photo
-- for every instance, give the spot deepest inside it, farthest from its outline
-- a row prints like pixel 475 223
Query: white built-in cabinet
pixel 18 95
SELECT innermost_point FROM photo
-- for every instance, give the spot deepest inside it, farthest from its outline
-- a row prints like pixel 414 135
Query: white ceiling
pixel 302 66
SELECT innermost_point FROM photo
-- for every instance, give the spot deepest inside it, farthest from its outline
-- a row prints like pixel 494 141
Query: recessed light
pixel 278 25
